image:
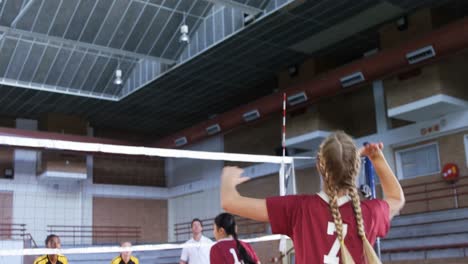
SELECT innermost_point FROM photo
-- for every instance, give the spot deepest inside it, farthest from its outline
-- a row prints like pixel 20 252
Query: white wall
pixel 181 171
pixel 37 203
pixel 204 204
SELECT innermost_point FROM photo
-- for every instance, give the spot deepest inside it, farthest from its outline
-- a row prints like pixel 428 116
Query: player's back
pixel 225 251
pixel 307 219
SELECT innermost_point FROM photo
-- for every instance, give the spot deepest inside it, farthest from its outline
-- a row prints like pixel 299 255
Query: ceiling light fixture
pixel 118 75
pixel 184 29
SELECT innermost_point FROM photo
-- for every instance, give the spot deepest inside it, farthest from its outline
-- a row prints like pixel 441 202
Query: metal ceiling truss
pixel 247 9
pixel 86 46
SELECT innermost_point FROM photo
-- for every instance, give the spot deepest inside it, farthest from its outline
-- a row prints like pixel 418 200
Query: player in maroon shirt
pixel 228 249
pixel 324 226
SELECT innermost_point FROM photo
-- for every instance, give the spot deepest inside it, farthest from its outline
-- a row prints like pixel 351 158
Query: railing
pixel 12 231
pixel 31 243
pixel 427 248
pixel 18 232
pixel 74 235
pixel 424 248
pixel 245 228
pixel 430 232
pixel 423 197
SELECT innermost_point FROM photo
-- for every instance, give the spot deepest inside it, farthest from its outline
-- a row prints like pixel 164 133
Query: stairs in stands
pixel 433 237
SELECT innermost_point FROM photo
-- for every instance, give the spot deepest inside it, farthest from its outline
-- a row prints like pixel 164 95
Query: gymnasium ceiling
pixel 60 55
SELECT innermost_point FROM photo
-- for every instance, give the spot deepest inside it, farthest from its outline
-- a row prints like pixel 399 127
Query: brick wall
pixel 150 215
pixel 6 212
pixel 129 171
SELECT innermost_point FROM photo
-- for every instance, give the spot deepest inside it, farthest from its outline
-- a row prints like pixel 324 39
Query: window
pixel 418 161
pixel 466 149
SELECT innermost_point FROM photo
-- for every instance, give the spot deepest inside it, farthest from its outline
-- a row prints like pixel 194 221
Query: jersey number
pixel 332 257
pixel 234 255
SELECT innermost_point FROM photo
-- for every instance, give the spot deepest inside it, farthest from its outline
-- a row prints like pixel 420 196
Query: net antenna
pixel 287 176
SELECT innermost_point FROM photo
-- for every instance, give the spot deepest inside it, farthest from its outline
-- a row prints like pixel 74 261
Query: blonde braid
pixel 332 193
pixel 357 211
pixel 336 215
pixel 369 252
pixel 339 164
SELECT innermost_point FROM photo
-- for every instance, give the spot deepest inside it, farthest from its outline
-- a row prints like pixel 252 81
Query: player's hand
pixel 372 150
pixel 233 202
pixel 232 176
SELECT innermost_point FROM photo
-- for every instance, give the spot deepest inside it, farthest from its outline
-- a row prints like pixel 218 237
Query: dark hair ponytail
pixel 227 222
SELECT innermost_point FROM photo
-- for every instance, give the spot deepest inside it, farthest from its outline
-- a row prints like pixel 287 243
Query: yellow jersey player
pixel 52 241
pixel 126 256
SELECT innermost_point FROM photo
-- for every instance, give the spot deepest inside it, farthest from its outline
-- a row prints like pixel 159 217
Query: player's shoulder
pixel 41 260
pixel 116 260
pixel 375 204
pixel 62 259
pixel 134 259
pixel 245 244
pixel 308 200
pixel 301 199
pixel 225 243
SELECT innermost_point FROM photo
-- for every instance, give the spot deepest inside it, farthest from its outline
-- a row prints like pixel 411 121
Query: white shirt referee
pixel 199 248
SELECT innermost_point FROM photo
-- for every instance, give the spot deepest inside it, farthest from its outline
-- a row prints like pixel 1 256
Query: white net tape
pixel 93 148
pixel 114 249
pixel 14 141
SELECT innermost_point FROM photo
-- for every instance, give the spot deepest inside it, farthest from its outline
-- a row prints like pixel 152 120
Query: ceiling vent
pixel 248 19
pixel 180 141
pixel 298 98
pixel 213 129
pixel 352 79
pixel 251 115
pixel 420 54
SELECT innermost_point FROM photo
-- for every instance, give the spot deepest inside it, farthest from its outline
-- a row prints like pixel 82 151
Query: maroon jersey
pixel 225 252
pixel 307 220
